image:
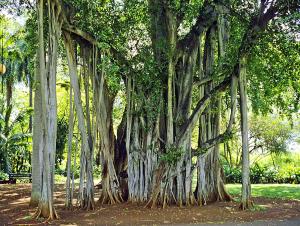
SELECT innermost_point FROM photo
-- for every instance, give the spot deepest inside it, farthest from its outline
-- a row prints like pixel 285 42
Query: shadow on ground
pixel 14 209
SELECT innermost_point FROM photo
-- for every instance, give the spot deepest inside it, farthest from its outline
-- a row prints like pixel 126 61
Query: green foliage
pixel 289 174
pixel 265 174
pixel 271 134
pixel 274 75
pixel 277 191
pixel 62 132
pixel 147 95
pixel 3 175
pixel 112 75
pixel 232 175
pixel 14 144
pixel 172 155
pixel 268 135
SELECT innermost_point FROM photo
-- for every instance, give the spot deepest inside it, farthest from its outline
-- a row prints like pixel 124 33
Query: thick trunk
pixel 86 190
pixel 210 186
pixel 184 81
pixel 121 158
pixel 47 72
pixel 159 175
pixel 246 187
pixel 142 160
pixel 38 143
pixel 164 39
pixel 111 191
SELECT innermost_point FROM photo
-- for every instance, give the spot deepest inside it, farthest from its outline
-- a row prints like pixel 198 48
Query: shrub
pixel 232 175
pixel 3 176
pixel 261 175
pixel 289 174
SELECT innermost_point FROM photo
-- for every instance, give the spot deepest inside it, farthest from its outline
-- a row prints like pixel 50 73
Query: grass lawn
pixel 284 191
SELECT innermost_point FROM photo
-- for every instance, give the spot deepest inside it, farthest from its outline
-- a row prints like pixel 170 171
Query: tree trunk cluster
pixel 150 160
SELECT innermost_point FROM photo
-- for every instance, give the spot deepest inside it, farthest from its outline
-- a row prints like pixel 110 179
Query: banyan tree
pixel 177 63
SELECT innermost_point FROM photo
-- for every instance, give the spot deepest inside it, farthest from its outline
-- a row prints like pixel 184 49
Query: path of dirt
pixel 14 209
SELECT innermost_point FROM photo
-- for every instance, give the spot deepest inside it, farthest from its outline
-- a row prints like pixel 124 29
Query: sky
pixel 19 19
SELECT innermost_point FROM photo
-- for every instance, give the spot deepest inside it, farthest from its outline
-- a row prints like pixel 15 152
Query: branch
pixel 67 27
pixel 228 133
pixel 205 146
pixel 93 41
pixel 206 18
pixel 201 105
pixel 257 25
pixel 232 11
pixel 200 82
pixel 181 14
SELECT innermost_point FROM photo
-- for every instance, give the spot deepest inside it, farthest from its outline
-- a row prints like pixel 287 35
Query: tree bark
pixel 47 72
pixel 246 186
pixel 111 191
pixel 38 143
pixel 69 195
pixel 86 193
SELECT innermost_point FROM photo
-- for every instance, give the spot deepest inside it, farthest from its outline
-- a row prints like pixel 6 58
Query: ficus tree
pixel 176 63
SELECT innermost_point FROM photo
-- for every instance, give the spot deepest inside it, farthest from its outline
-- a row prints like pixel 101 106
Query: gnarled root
pixel 46 210
pixel 107 197
pixel 159 174
pixel 246 205
pixel 153 200
pixel 88 204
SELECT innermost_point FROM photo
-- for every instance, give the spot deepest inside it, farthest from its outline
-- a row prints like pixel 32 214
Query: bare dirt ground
pixel 14 210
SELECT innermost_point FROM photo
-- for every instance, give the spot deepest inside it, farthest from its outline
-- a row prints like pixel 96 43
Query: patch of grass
pixel 27 217
pixel 258 208
pixel 60 179
pixel 283 191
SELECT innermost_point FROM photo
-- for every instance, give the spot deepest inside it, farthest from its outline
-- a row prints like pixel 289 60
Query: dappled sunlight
pixel 4 210
pixel 281 191
pixel 11 194
pixel 18 212
pixel 20 201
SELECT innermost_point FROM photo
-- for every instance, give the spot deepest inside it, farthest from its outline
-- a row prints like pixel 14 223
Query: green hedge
pixel 259 175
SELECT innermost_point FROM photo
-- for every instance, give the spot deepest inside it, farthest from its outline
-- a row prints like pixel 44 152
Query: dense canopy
pixel 154 88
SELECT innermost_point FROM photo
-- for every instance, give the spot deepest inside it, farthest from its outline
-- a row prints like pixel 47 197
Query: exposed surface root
pixel 45 210
pixel 246 205
pixel 108 197
pixel 88 204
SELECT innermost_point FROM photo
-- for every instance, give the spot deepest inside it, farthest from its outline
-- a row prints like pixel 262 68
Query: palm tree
pixel 14 145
